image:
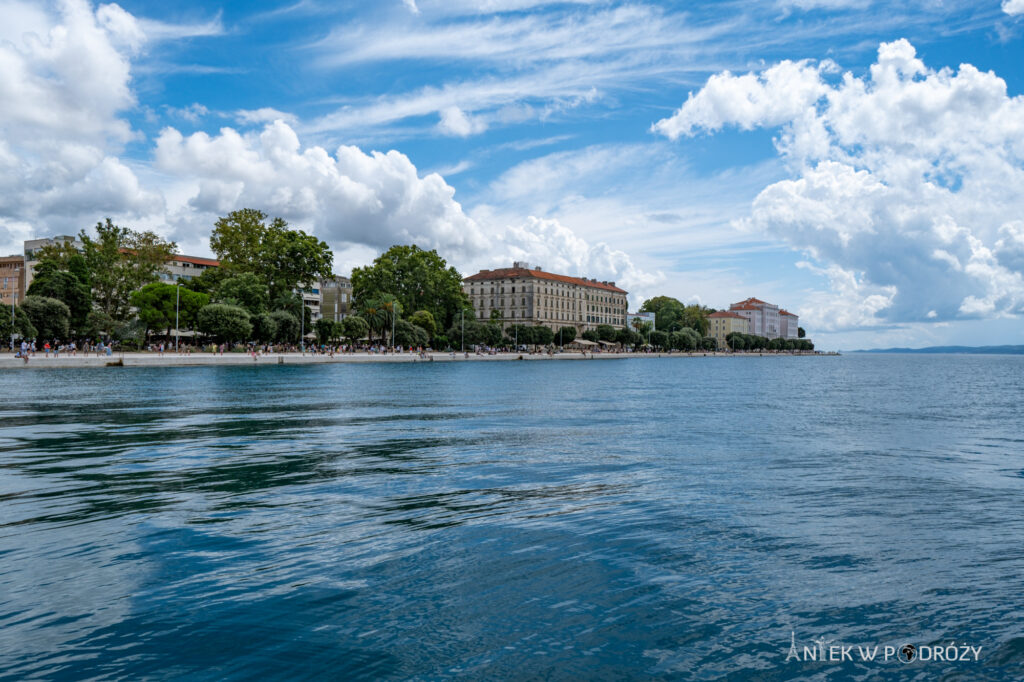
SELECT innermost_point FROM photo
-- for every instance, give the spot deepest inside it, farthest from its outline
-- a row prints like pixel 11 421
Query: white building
pixel 763 317
pixel 789 325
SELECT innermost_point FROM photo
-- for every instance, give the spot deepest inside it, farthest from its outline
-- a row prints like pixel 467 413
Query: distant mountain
pixel 962 350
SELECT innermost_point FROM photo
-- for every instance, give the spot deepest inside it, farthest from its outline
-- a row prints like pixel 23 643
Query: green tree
pixel 245 242
pixel 225 323
pixel 800 333
pixel 627 337
pixel 709 343
pixel 264 327
pixel 155 306
pixel 293 304
pixel 98 323
pixel 120 261
pixel 22 326
pixel 287 328
pixel 425 320
pixel 245 289
pixel 659 340
pixel 354 328
pixel 409 335
pixel 326 330
pixel 606 332
pixel 668 312
pixel 420 280
pixel 566 335
pixel 50 317
pixel 591 335
pixel 543 335
pixel 50 281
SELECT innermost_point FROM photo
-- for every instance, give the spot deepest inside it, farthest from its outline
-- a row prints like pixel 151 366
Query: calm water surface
pixel 635 519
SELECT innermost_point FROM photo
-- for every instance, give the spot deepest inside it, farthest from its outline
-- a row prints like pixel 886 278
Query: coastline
pixel 40 361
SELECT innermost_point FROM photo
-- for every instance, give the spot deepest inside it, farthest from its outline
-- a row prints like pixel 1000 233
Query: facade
pixel 789 325
pixel 763 317
pixel 34 246
pixel 531 296
pixel 186 267
pixel 723 323
pixel 336 298
pixel 12 279
pixel 311 297
pixel 643 317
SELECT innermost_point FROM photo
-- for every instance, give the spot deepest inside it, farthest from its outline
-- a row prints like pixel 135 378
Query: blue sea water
pixel 630 519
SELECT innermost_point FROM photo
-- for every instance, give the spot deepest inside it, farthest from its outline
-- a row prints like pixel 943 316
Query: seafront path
pixel 171 359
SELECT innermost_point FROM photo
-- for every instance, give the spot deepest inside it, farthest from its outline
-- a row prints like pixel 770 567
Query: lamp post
pixel 177 307
pixel 14 300
pixel 463 330
pixel 302 322
pixel 395 307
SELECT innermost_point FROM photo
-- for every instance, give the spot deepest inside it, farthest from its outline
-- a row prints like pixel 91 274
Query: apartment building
pixel 529 295
pixel 12 279
pixel 763 317
pixel 336 298
pixel 186 267
pixel 723 323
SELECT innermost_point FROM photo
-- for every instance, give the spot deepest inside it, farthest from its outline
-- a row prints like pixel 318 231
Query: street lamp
pixel 14 299
pixel 177 307
pixel 395 307
pixel 463 330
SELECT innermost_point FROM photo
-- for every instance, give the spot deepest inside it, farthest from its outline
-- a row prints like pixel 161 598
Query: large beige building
pixel 531 296
pixel 336 298
pixel 763 317
pixel 723 323
pixel 12 277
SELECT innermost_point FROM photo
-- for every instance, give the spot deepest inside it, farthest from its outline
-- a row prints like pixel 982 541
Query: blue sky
pixel 833 156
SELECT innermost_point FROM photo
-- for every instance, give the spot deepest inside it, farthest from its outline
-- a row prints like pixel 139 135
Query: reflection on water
pixel 632 519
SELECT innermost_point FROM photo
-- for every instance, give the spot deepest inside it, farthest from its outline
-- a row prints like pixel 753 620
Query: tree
pixel 245 289
pixel 408 334
pixel 286 327
pixel 591 335
pixel 264 327
pixel 425 320
pixel 520 333
pixel 120 261
pixel 22 326
pixel 659 340
pixel 98 323
pixel 155 306
pixel 709 343
pixel 668 312
pixel 418 279
pixel 354 328
pixel 293 304
pixel 642 327
pixel 800 333
pixel 606 332
pixel 50 317
pixel 50 281
pixel 284 258
pixel 326 330
pixel 543 335
pixel 225 323
pixel 566 335
pixel 626 337
pixel 685 339
pixel 696 318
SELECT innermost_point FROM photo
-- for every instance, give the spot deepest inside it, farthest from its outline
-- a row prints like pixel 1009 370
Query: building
pixel 723 323
pixel 763 317
pixel 12 278
pixel 643 317
pixel 34 246
pixel 186 267
pixel 789 325
pixel 524 295
pixel 312 298
pixel 336 298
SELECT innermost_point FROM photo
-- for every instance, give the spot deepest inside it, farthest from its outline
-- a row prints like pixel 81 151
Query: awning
pixel 582 342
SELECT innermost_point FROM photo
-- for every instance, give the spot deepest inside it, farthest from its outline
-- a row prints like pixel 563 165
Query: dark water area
pixel 633 519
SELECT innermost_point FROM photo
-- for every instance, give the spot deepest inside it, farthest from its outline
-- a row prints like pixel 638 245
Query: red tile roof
pixel 786 312
pixel 750 300
pixel 723 313
pixel 743 306
pixel 195 260
pixel 512 273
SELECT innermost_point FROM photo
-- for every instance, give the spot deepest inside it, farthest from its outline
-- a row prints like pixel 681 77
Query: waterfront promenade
pixel 40 360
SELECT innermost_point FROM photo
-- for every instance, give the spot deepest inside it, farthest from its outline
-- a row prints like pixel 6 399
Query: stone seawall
pixel 41 361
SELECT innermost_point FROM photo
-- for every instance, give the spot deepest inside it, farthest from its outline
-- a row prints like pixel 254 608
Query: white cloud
pixel 263 115
pixel 904 181
pixel 455 122
pixel 353 199
pixel 1013 7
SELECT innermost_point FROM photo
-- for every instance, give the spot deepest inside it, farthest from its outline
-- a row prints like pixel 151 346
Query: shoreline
pixel 41 361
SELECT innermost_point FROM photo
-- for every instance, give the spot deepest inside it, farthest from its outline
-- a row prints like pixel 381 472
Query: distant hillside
pixel 962 350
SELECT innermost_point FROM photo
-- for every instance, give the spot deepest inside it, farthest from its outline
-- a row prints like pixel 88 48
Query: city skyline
pixel 853 161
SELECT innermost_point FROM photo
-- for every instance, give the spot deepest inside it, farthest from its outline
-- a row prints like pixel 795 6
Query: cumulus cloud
pixel 352 198
pixel 1013 7
pixel 904 181
pixel 455 122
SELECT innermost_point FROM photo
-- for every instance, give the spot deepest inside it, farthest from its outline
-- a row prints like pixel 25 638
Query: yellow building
pixel 723 323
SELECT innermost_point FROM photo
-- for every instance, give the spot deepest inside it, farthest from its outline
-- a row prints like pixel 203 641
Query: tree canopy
pixel 284 258
pixel 418 279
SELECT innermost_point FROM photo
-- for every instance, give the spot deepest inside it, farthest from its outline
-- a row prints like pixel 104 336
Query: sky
pixel 856 162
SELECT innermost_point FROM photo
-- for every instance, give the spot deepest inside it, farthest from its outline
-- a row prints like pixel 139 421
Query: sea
pixel 637 519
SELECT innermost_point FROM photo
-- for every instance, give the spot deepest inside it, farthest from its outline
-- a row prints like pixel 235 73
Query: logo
pixel 907 653
pixel 828 651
